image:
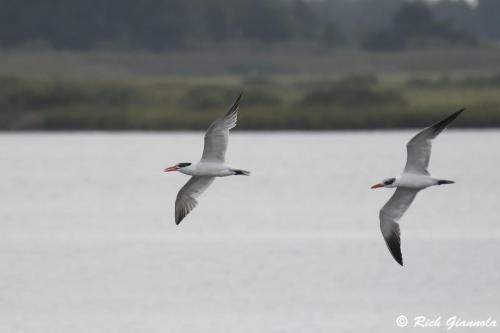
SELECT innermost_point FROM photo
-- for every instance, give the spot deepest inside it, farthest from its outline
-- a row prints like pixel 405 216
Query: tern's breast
pixel 415 181
pixel 212 169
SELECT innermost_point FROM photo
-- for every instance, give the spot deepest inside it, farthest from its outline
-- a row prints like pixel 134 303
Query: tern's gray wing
pixel 186 198
pixel 419 148
pixel 217 135
pixel 390 214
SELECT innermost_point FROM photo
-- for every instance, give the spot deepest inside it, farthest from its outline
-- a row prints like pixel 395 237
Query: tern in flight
pixel 414 178
pixel 211 165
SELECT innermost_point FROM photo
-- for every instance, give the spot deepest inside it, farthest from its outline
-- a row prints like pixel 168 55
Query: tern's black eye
pixel 389 181
pixel 182 165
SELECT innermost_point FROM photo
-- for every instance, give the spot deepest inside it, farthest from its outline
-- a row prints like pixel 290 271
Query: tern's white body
pixel 414 178
pixel 414 181
pixel 208 169
pixel 211 165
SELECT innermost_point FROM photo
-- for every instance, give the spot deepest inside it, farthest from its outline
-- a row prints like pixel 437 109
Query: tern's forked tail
pixel 444 181
pixel 241 172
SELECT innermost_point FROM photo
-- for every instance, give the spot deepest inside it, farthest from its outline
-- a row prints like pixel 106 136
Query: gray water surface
pixel 88 241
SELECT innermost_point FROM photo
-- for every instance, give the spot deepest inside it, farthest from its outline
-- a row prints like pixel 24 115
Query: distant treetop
pixel 160 25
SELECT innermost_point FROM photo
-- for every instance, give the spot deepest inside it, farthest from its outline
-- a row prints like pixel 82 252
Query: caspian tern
pixel 414 178
pixel 211 165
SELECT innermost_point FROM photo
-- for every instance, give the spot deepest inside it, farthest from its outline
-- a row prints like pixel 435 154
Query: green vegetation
pixel 160 25
pixel 296 61
pixel 177 64
pixel 415 25
pixel 350 102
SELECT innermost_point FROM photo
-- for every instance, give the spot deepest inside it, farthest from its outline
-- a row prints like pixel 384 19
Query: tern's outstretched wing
pixel 216 138
pixel 390 214
pixel 419 148
pixel 186 198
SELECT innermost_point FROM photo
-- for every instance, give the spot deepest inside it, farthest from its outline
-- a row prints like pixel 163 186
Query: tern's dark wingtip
pixel 399 259
pixel 453 116
pixel 441 125
pixel 456 114
pixel 237 101
pixel 235 105
pixel 394 245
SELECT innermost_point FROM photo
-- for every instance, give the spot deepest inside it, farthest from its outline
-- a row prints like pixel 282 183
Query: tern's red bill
pixel 172 168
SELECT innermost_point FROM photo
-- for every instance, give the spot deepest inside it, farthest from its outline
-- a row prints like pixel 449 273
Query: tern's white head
pixel 177 167
pixel 389 182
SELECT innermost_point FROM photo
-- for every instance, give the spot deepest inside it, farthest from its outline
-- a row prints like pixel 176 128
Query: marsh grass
pixel 349 102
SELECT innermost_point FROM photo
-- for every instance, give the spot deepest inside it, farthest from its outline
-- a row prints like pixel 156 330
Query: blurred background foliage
pixel 302 64
pixel 159 25
pixel 351 102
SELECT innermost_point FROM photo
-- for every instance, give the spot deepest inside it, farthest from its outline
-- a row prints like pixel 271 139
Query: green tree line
pixel 160 25
pixel 350 102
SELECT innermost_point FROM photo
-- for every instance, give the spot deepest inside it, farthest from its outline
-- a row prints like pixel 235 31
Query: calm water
pixel 88 241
